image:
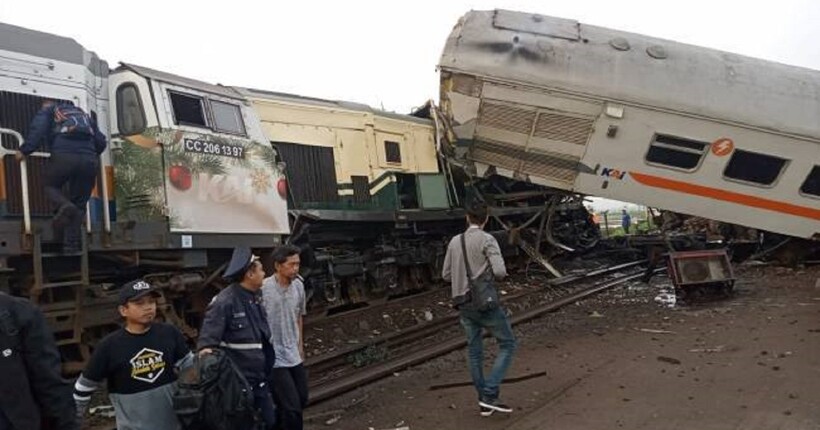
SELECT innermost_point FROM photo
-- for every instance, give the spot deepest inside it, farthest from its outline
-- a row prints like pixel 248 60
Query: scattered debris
pixel 334 413
pixel 718 348
pixel 505 381
pixel 669 360
pixel 595 314
pixel 667 298
pixel 333 420
pixel 370 355
pixel 654 331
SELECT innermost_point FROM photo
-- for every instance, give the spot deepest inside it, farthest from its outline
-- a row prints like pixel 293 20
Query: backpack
pixel 72 121
pixel 212 394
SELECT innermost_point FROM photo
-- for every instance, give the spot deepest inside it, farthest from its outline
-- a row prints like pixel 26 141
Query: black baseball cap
pixel 136 289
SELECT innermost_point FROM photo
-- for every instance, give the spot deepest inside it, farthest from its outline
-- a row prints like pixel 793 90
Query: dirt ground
pixel 623 360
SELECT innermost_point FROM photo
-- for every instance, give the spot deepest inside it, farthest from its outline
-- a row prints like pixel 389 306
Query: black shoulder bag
pixel 481 295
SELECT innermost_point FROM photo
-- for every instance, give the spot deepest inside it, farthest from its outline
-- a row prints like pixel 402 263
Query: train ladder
pixel 61 299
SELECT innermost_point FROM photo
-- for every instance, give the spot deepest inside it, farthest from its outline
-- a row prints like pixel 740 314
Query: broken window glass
pixel 188 110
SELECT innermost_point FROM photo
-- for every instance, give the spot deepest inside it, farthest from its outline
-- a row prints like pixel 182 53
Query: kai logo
pixel 147 365
pixel 613 173
pixel 722 147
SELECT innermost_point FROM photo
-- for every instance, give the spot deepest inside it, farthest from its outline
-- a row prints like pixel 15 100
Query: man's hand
pixel 205 351
pixel 18 156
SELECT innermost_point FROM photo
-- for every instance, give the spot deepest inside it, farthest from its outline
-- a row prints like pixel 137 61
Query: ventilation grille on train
pixel 507 118
pixel 16 112
pixel 558 167
pixel 555 166
pixel 560 127
pixel 563 128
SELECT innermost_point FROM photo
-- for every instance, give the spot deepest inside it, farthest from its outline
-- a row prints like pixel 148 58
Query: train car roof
pixel 332 104
pixel 562 54
pixel 50 46
pixel 182 81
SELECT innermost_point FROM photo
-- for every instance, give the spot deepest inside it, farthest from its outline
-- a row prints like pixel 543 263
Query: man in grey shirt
pixel 283 296
pixel 483 253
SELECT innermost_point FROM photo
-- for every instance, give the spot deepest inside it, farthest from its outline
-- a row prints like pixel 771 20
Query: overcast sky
pixel 382 53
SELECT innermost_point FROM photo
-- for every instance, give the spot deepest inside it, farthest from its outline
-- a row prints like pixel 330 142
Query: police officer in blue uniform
pixel 235 322
pixel 33 395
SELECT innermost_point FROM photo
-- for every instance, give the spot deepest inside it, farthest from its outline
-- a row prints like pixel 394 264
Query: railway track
pixel 336 373
pixel 333 373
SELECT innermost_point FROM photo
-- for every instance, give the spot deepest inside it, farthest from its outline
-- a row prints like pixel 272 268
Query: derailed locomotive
pixel 527 120
pixel 372 200
pixel 193 169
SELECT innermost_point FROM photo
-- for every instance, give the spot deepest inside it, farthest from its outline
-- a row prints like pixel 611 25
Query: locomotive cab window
pixel 676 152
pixel 188 110
pixel 227 118
pixel 811 185
pixel 392 152
pixel 130 114
pixel 759 169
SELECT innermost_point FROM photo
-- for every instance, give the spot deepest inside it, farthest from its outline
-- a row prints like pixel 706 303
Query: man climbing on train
pixel 75 142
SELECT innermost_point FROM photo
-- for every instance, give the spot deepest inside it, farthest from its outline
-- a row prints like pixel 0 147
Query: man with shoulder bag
pixel 472 263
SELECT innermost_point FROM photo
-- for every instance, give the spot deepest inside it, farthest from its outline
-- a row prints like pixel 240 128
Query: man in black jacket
pixel 235 322
pixel 75 143
pixel 33 395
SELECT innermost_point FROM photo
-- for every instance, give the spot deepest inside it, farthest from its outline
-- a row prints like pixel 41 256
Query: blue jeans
pixel 496 322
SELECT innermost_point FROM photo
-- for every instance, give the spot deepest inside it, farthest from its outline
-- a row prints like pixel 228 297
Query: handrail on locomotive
pixel 25 188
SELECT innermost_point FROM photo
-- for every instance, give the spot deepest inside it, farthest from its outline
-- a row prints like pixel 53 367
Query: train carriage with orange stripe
pixel 607 113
